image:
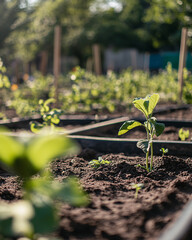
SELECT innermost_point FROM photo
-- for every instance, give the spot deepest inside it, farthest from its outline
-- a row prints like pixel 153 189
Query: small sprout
pixel 95 163
pixel 137 187
pixel 164 151
pixel 183 134
pixel 4 80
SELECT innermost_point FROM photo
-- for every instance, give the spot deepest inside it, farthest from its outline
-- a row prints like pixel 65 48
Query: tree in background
pixel 34 28
pixel 148 25
pixel 171 16
pixel 8 12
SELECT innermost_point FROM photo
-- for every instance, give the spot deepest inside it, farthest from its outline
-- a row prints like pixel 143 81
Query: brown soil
pixel 113 212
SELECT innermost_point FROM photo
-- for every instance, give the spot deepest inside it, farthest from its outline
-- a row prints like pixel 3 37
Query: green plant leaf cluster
pixel 36 214
pixel 146 106
pixel 183 134
pixel 98 93
pixel 34 154
pixel 95 163
pixel 4 80
pixel 50 116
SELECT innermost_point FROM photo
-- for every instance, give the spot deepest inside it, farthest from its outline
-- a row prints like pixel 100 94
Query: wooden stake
pixel 57 59
pixel 89 64
pixel 97 59
pixel 44 61
pixel 182 61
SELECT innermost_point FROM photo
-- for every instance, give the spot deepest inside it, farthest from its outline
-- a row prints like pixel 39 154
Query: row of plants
pixel 81 91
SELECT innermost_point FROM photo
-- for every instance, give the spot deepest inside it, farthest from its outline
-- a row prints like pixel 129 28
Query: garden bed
pixel 104 137
pixel 113 212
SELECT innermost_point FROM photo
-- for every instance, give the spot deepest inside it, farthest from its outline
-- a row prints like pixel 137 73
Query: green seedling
pixel 51 117
pixel 95 163
pixel 164 151
pixel 137 187
pixel 146 106
pixel 26 157
pixel 183 134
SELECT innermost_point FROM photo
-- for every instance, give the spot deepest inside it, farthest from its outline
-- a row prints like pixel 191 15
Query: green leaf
pixel 10 149
pixel 153 100
pixel 147 104
pixel 72 193
pixel 48 101
pixel 159 128
pixel 43 149
pixel 183 134
pixel 41 102
pixel 163 150
pixel 69 191
pixel 35 126
pixel 143 145
pixel 45 219
pixel 128 125
pixel 139 104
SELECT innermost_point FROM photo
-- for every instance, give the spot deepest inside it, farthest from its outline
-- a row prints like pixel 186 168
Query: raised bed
pixel 87 136
pixel 72 120
pixel 110 192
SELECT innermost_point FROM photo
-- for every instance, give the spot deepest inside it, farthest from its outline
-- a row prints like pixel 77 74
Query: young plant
pixel 137 187
pixel 164 151
pixel 4 80
pixel 95 163
pixel 51 117
pixel 183 134
pixel 36 215
pixel 146 106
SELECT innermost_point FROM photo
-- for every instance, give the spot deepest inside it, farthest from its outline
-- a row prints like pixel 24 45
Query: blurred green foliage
pixel 27 29
pixel 28 157
pixel 84 92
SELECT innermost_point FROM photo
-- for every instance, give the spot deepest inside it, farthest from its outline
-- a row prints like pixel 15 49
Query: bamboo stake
pixel 97 59
pixel 57 59
pixel 182 61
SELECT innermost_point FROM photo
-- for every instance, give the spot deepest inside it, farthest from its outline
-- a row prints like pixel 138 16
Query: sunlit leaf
pixel 9 149
pixel 139 104
pixel 48 101
pixel 153 100
pixel 43 149
pixel 35 126
pixel 128 125
pixel 183 134
pixel 147 104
